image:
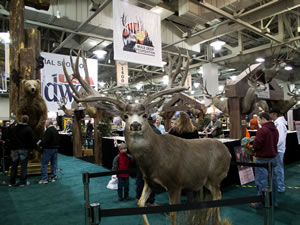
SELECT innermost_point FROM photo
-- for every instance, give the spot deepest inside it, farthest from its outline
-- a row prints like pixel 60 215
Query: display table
pixel 65 144
pixel 109 151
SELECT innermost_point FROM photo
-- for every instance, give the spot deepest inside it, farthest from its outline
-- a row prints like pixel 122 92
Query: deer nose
pixel 135 126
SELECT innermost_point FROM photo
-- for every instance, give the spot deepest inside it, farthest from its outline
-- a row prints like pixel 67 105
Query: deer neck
pixel 141 144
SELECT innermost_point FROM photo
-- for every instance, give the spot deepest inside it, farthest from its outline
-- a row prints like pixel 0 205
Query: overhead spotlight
pixel 196 84
pixel 233 77
pixel 164 63
pixel 288 68
pixel 101 84
pixel 260 60
pixel 128 97
pixel 217 45
pixel 58 15
pixel 100 54
pixel 221 88
pixel 139 86
pixel 136 101
pixel 192 92
pixel 165 79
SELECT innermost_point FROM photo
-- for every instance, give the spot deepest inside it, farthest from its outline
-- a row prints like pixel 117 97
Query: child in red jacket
pixel 121 162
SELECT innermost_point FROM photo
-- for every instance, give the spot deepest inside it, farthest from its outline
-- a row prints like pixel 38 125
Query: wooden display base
pixel 32 169
pixel 87 152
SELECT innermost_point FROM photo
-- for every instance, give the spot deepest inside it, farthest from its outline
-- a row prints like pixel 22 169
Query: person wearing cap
pixel 122 162
pixel 214 129
pixel 265 147
pixel 281 125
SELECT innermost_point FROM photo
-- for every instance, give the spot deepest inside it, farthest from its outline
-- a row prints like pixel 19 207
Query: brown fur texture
pixel 33 105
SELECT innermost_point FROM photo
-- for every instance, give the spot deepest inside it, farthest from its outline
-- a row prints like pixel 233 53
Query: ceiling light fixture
pixel 260 60
pixel 100 53
pixel 165 79
pixel 196 84
pixel 217 45
pixel 288 68
pixel 101 84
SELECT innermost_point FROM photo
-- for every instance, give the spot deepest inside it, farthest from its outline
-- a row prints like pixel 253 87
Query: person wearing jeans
pixel 265 146
pixel 281 125
pixel 50 145
pixel 22 139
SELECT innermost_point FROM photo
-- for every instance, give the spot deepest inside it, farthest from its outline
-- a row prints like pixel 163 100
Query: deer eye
pixel 125 117
pixel 145 116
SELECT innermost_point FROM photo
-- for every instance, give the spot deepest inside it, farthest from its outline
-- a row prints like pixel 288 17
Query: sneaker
pixel 53 179
pixel 22 184
pixel 256 206
pixel 43 182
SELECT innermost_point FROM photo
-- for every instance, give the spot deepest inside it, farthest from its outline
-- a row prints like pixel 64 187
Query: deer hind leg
pixel 174 198
pixel 142 201
pixel 214 213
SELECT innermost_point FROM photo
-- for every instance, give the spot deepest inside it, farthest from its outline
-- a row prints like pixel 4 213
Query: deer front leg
pixel 142 201
pixel 174 198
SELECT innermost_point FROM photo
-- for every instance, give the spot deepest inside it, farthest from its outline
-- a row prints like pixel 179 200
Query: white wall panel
pixel 4 106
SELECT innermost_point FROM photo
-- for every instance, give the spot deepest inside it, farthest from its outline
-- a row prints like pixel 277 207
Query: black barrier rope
pixel 109 173
pixel 179 207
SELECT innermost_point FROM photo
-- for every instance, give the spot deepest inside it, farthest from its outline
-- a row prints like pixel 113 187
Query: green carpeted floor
pixel 61 203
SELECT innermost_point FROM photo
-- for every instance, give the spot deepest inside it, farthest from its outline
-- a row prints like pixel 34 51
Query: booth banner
pixel 245 173
pixel 122 74
pixel 298 131
pixel 137 34
pixel 54 84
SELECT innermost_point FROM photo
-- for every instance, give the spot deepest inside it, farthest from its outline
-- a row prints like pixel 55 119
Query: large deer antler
pixel 62 105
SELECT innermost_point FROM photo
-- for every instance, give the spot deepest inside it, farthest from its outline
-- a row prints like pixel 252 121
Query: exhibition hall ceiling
pixel 249 29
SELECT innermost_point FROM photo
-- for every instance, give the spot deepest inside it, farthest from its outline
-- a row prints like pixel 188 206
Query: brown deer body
pixel 166 161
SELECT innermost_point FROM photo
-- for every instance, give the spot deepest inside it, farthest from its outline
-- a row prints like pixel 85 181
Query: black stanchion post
pixel 86 182
pixel 95 213
pixel 269 198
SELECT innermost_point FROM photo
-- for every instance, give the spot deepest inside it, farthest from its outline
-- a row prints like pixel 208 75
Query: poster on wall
pixel 245 172
pixel 54 84
pixel 137 34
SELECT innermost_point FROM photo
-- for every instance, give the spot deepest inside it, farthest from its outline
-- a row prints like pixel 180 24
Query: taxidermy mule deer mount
pixel 167 161
pixel 62 106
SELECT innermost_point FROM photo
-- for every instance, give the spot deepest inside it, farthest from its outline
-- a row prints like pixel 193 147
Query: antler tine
pixel 71 60
pixel 68 78
pixel 205 91
pixel 186 69
pixel 87 87
pixel 86 72
pixel 173 76
pixel 162 93
pixel 121 105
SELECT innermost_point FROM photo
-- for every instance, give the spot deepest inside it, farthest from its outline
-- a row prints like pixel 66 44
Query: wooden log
pixel 76 132
pixel 16 31
pixel 32 40
pixel 97 138
pixel 26 63
pixel 235 118
pixel 38 4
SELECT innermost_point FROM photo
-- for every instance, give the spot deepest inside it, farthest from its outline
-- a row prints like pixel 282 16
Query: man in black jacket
pixel 22 139
pixel 50 145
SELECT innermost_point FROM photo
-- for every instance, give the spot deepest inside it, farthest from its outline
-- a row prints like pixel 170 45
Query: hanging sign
pixel 122 74
pixel 137 35
pixel 54 84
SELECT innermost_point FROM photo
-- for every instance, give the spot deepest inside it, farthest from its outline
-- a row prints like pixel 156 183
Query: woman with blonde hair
pixel 184 127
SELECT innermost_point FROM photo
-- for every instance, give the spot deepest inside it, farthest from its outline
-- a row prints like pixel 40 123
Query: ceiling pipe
pixel 101 7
